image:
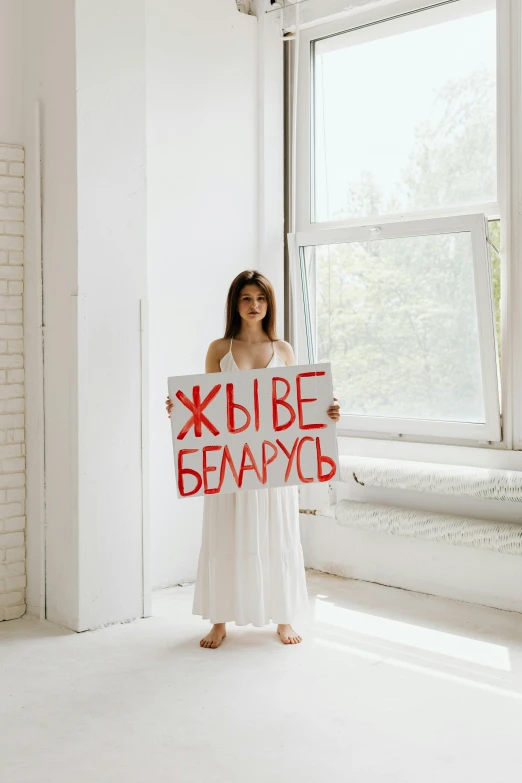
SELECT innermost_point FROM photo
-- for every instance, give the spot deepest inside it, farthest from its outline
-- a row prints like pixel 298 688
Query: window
pixel 397 187
pixel 404 115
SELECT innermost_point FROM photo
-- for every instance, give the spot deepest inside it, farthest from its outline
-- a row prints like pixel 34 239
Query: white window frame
pixel 509 15
pixel 475 226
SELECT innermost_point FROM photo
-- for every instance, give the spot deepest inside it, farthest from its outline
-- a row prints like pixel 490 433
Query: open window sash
pixel 404 312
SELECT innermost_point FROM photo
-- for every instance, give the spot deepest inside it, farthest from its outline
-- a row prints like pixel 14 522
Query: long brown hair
pixel 233 319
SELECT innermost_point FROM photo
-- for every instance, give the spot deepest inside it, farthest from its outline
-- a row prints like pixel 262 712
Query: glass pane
pixel 397 319
pixel 405 115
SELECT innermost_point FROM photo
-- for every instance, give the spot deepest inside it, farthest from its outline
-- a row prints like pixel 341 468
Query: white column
pixel 112 281
pixel 85 62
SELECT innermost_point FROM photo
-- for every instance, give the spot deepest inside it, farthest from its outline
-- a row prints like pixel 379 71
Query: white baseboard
pixel 464 574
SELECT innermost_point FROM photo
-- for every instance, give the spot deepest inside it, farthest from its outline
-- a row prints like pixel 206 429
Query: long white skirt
pixel 251 567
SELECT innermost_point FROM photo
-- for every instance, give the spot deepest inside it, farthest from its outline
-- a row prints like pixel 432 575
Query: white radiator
pixel 448 529
pixel 439 479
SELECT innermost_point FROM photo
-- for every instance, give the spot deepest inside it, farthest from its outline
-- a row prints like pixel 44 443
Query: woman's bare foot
pixel 288 635
pixel 215 637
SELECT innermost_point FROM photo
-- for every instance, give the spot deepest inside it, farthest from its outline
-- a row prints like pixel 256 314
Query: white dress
pixel 251 567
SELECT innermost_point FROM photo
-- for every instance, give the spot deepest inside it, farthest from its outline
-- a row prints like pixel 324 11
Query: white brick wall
pixel 12 436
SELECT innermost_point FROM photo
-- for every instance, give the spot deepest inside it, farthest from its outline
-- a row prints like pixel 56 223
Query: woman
pixel 251 567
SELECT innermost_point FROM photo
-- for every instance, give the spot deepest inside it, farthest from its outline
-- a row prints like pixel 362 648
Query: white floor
pixel 387 686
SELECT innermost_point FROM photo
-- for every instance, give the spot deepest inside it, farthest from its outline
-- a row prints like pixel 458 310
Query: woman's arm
pixel 214 356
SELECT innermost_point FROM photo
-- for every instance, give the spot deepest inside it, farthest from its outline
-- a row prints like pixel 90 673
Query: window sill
pixel 495 457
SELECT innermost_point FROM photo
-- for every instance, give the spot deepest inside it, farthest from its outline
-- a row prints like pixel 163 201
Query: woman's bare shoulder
pixel 218 348
pixel 285 351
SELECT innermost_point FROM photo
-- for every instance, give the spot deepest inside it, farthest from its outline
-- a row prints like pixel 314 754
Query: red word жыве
pixel 198 419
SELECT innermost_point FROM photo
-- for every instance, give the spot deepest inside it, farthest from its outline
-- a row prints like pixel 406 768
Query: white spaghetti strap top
pixel 228 364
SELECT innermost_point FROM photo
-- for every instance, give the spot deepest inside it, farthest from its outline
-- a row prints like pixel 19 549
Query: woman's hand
pixel 169 405
pixel 334 411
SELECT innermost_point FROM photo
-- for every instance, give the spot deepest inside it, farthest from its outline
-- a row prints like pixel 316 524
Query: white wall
pixel 202 171
pixel 11 71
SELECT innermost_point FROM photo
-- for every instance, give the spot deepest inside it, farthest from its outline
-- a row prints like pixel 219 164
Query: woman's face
pixel 252 304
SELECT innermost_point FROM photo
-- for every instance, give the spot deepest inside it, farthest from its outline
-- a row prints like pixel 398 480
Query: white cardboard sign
pixel 253 429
